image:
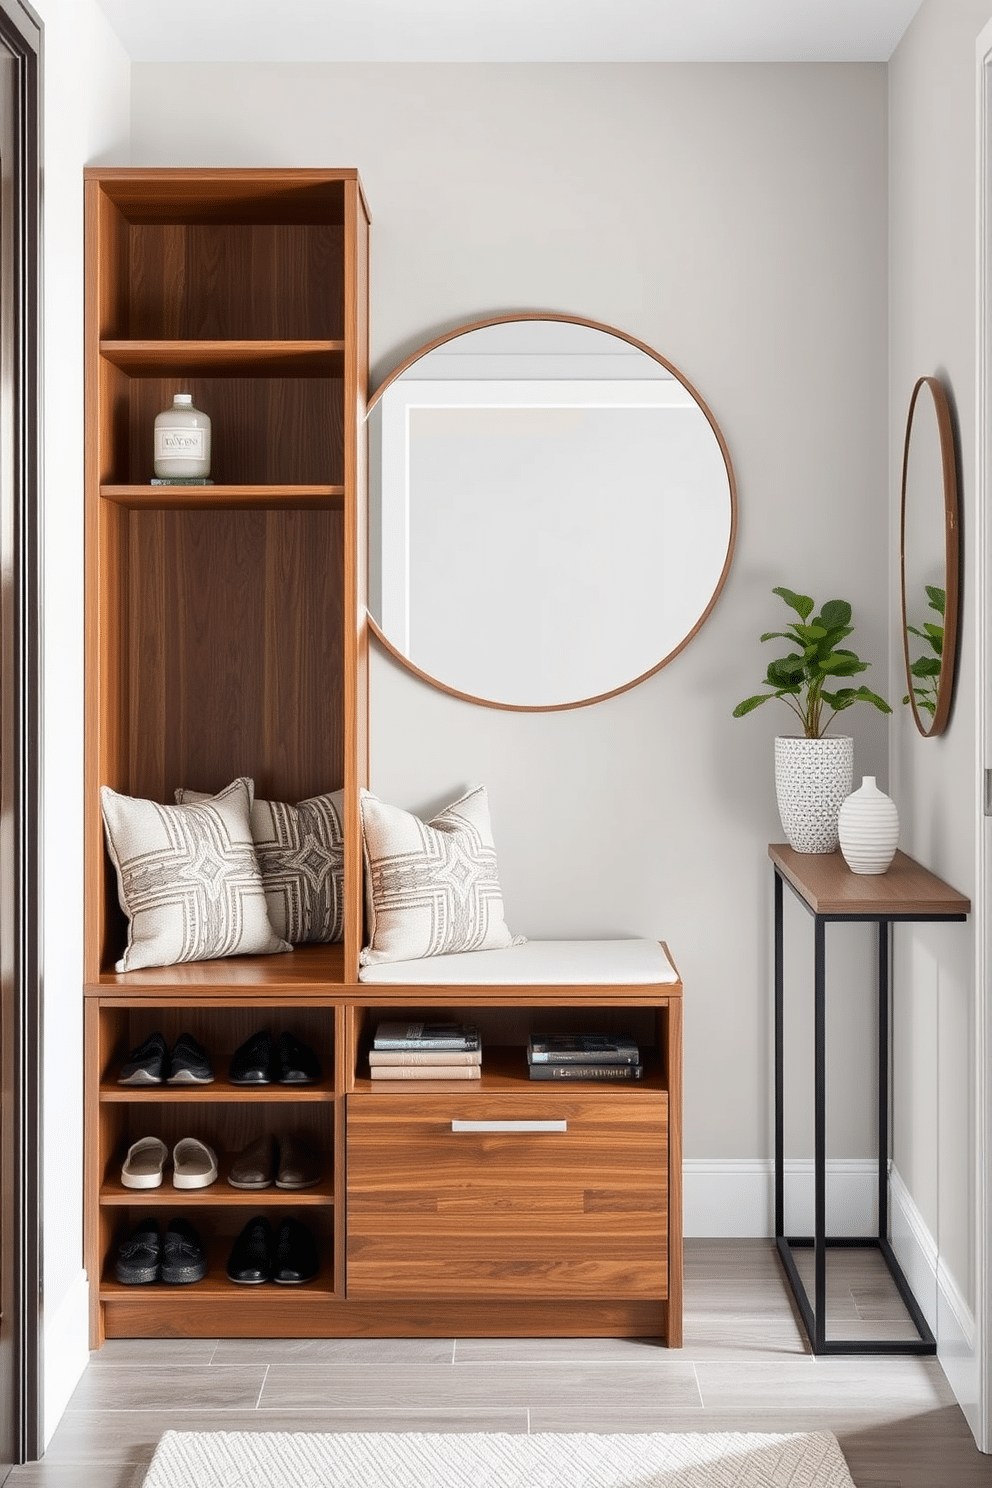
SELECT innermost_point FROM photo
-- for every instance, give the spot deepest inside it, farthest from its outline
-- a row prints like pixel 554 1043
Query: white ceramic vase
pixel 812 778
pixel 868 826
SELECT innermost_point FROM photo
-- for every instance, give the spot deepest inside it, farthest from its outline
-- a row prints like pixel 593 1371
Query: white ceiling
pixel 510 30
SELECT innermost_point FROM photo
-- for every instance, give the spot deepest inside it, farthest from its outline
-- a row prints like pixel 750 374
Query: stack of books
pixel 584 1056
pixel 426 1051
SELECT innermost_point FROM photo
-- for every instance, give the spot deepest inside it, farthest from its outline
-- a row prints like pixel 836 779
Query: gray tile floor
pixel 744 1367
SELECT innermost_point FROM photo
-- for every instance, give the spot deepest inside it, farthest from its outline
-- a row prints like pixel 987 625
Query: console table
pixel 830 892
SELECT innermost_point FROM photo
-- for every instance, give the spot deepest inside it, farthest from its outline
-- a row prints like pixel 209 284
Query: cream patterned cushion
pixel 188 879
pixel 301 856
pixel 431 888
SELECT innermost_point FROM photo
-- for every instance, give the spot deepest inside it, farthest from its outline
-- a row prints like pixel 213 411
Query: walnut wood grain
pixel 147 497
pixel 281 1312
pixel 574 1213
pixel 829 887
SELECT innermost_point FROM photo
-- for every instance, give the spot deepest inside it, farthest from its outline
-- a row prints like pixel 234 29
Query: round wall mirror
pixel 552 512
pixel 930 556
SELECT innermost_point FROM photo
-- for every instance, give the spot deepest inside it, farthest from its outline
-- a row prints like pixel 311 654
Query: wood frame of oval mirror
pixel 929 551
pixel 638 396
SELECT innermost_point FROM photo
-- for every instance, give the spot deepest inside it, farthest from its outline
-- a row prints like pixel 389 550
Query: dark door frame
pixel 20 736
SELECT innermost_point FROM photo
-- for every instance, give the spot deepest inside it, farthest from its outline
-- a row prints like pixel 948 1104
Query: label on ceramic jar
pixel 179 444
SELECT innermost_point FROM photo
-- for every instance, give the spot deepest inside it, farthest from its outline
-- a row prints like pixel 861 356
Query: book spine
pixel 425 1056
pixel 462 1045
pixel 426 1071
pixel 586 1071
pixel 577 1056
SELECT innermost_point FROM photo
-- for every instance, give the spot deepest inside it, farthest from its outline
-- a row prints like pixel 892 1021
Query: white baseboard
pixel 951 1319
pixel 736 1199
pixel 66 1351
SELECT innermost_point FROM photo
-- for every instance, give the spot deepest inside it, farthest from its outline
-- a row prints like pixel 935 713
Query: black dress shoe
pixel 138 1257
pixel 183 1257
pixel 250 1261
pixel 254 1062
pixel 297 1064
pixel 145 1065
pixel 189 1063
pixel 296 1254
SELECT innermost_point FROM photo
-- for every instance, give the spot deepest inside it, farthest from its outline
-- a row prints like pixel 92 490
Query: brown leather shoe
pixel 299 1164
pixel 255 1165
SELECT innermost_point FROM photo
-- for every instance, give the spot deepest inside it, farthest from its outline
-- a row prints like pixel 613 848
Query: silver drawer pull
pixel 509 1126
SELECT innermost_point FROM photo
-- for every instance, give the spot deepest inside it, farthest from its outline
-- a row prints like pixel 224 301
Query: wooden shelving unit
pixel 226 635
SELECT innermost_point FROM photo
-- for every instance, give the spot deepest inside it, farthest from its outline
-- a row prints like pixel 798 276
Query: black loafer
pixel 189 1063
pixel 145 1065
pixel 296 1254
pixel 138 1257
pixel 297 1064
pixel 250 1261
pixel 183 1257
pixel 254 1062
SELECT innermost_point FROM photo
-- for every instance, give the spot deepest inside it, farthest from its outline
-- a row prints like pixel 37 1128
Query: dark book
pixel 427 1036
pixel 586 1071
pixel 583 1048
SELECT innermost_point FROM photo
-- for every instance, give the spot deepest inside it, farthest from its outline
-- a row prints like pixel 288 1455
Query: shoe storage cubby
pixel 227 636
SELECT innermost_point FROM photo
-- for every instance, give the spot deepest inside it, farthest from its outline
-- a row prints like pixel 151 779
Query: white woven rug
pixel 275 1459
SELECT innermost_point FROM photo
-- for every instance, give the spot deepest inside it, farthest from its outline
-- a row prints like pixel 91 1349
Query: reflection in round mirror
pixel 552 512
pixel 929 556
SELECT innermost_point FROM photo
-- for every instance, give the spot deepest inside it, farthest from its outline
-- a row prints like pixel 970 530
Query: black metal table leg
pixel 814 1313
pixel 820 1134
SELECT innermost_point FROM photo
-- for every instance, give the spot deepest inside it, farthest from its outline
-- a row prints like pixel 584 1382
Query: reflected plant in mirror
pixel 552 512
pixel 925 669
pixel 929 553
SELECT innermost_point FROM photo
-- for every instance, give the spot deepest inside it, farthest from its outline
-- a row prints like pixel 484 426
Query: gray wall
pixel 933 174
pixel 734 218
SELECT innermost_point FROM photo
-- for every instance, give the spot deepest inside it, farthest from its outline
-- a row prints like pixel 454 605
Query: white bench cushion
pixel 543 963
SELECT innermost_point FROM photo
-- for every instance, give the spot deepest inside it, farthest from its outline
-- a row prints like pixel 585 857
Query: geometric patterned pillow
pixel 188 879
pixel 432 888
pixel 300 853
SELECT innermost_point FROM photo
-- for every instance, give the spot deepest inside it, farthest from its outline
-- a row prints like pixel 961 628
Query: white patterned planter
pixel 868 826
pixel 812 779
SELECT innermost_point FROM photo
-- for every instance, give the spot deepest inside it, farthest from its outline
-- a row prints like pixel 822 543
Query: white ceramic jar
pixel 868 826
pixel 182 441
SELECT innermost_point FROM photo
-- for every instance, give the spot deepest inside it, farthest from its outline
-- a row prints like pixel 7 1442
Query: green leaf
pixel 787 672
pixel 836 612
pixel 926 666
pixel 780 635
pixel 865 695
pixel 749 704
pixel 937 597
pixel 843 664
pixel 801 603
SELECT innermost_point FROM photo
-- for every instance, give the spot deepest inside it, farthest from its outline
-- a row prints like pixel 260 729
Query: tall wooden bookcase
pixel 226 635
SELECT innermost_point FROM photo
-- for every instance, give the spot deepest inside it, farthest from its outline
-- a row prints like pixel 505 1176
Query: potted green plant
pixel 813 771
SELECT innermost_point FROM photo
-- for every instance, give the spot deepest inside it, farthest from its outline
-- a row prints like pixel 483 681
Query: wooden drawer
pixel 579 1212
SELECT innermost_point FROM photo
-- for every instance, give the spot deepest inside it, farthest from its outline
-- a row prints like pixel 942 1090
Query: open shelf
pixel 217 497
pixel 162 358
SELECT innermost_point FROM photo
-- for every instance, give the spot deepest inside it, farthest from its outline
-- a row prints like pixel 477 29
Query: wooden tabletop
pixel 828 886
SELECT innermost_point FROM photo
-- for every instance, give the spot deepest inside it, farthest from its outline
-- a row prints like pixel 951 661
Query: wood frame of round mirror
pixel 541 315
pixel 932 391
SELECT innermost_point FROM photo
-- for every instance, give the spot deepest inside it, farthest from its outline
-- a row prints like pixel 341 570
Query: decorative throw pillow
pixel 431 887
pixel 188 878
pixel 301 856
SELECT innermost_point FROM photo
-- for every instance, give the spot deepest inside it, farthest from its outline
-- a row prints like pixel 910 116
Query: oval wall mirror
pixel 929 556
pixel 552 512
